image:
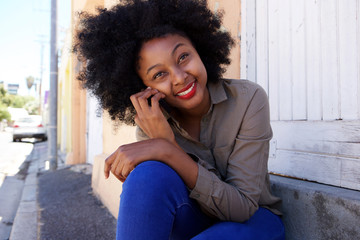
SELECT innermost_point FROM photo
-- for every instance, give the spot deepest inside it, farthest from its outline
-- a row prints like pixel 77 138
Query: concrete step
pixel 317 211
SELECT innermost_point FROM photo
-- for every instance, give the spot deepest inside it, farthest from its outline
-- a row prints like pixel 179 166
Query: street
pixel 13 167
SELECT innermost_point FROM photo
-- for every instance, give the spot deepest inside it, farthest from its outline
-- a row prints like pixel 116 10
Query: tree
pixel 4 113
pixel 32 107
pixel 30 81
pixel 16 101
pixel 2 92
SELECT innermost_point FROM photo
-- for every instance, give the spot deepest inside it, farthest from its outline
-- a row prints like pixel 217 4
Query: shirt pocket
pixel 221 156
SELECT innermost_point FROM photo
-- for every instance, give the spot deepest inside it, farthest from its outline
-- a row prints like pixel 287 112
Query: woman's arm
pixel 128 156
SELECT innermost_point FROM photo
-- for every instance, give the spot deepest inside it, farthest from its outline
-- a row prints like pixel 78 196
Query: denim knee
pixel 154 181
pixel 155 204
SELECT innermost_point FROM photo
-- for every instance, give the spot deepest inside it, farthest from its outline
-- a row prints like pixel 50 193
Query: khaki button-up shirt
pixel 232 153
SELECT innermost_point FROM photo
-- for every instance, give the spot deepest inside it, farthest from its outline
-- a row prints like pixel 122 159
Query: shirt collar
pixel 217 92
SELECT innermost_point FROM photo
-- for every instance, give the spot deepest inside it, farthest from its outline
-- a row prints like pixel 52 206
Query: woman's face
pixel 172 65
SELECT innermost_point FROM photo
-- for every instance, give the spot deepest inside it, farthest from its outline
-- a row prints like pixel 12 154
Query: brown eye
pixel 183 57
pixel 157 75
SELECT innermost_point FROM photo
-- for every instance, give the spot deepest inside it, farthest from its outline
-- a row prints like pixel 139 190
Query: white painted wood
pixel 341 138
pixel 299 86
pixel 274 69
pixel 308 59
pixel 251 38
pixel 350 174
pixel 309 166
pixel 326 152
pixel 285 61
pixel 309 52
pixel 348 69
pixel 243 41
pixel 357 49
pixel 94 129
pixel 262 44
pixel 328 169
pixel 330 58
pixel 312 60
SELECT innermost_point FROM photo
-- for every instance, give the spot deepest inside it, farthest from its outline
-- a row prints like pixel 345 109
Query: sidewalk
pixel 60 204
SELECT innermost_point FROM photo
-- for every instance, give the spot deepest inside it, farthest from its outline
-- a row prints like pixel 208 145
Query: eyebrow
pixel 172 54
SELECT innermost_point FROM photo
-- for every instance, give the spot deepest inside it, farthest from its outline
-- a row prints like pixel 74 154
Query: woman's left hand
pixel 127 157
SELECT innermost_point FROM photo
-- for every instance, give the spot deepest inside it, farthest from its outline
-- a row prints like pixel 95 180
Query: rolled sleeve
pixel 220 199
pixel 202 190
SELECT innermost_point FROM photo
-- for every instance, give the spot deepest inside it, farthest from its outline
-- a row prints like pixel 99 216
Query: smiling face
pixel 172 65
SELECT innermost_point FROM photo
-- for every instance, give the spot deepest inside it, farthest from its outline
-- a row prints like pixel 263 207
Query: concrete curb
pixel 317 211
pixel 26 220
pixel 26 223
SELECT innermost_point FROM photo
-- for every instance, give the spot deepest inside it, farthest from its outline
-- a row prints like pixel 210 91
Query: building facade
pixel 305 54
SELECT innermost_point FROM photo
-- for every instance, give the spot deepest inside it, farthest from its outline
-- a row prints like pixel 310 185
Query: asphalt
pixel 60 204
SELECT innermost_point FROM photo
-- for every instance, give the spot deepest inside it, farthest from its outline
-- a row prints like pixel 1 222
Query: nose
pixel 178 76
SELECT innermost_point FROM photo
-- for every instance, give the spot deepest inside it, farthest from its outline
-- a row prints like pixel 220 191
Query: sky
pixel 24 27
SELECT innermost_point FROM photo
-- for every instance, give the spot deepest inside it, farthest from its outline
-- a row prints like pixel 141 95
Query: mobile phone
pixel 162 103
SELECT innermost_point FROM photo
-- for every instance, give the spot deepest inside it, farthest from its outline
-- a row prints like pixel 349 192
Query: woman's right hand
pixel 150 118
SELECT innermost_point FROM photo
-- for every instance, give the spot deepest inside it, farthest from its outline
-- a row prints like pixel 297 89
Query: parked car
pixel 30 126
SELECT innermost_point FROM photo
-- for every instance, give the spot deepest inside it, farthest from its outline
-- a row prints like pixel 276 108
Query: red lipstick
pixel 187 92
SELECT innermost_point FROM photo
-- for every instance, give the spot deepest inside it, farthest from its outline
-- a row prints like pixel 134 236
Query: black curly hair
pixel 109 43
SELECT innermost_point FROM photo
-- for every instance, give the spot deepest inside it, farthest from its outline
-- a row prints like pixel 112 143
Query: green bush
pixel 32 107
pixel 4 113
pixel 16 101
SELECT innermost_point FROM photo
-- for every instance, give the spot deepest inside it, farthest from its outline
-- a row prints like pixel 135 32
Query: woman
pixel 199 169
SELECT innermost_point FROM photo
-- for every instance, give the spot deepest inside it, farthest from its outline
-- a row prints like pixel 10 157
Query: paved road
pixel 13 156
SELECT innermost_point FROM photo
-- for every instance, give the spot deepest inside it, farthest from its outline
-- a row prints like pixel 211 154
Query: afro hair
pixel 109 43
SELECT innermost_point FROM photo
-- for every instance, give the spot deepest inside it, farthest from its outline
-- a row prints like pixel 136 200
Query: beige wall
pixel 113 137
pixel 232 23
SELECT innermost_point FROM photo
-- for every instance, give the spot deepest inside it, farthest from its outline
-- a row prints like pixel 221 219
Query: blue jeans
pixel 155 204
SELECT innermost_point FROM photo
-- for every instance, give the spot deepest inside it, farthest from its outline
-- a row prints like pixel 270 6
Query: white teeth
pixel 187 91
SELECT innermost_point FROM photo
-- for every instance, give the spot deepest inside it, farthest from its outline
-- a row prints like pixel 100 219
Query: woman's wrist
pixel 173 156
pixel 168 149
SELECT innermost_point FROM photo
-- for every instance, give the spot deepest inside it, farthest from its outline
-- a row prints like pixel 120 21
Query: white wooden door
pixel 94 131
pixel 306 55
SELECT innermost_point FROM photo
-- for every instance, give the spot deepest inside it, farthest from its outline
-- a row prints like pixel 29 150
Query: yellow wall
pixel 72 98
pixel 64 99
